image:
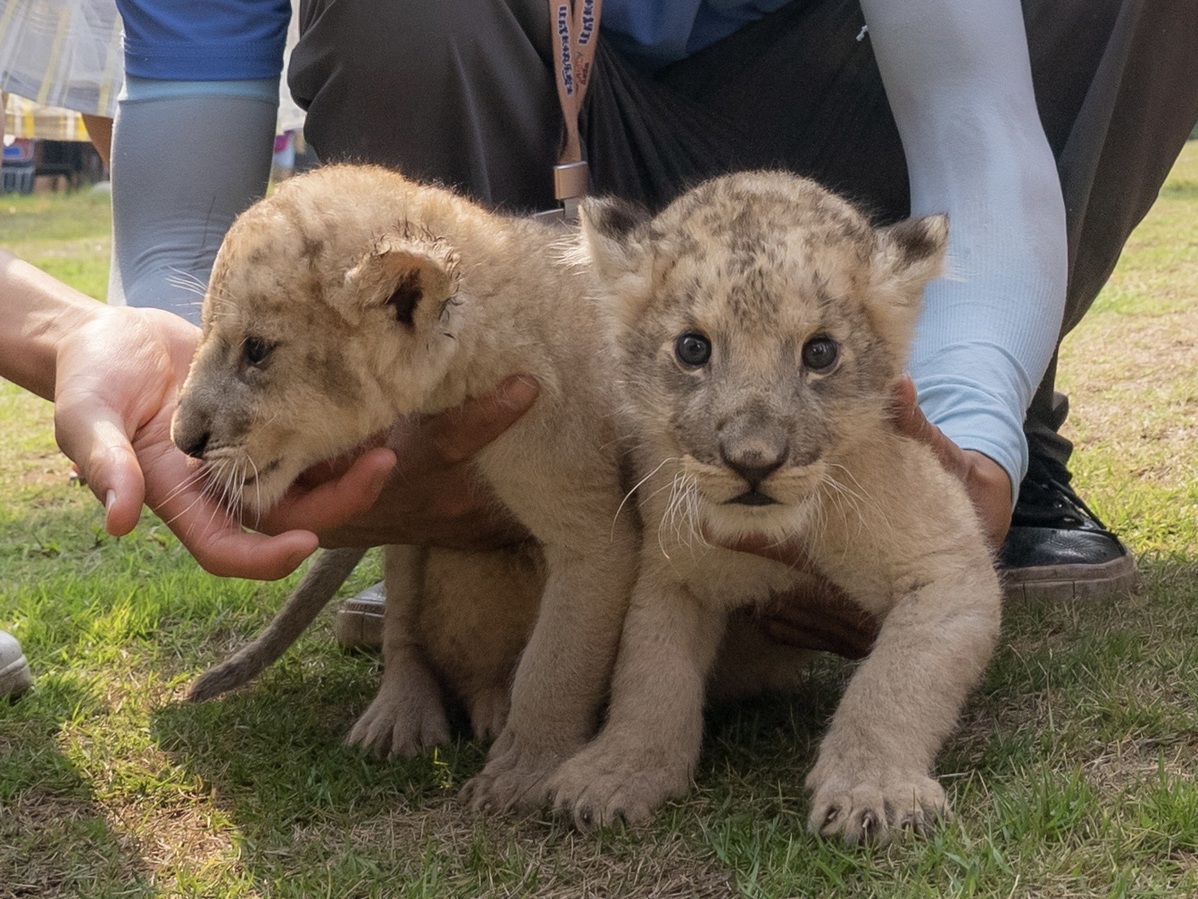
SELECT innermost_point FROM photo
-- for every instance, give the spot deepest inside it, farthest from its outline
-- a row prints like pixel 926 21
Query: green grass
pixel 66 234
pixel 1072 773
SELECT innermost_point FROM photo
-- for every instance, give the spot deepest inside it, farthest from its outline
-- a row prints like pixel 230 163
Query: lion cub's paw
pixel 594 790
pixel 488 712
pixel 876 810
pixel 515 778
pixel 406 718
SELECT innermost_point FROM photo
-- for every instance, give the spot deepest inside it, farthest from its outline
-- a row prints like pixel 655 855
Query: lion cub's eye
pixel 255 351
pixel 820 353
pixel 692 349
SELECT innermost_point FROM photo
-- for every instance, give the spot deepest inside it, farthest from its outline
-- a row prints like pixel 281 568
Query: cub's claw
pixel 513 780
pixel 591 791
pixel 875 813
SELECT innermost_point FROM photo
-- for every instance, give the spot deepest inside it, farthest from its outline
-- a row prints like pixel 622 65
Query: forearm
pixel 36 313
pixel 959 84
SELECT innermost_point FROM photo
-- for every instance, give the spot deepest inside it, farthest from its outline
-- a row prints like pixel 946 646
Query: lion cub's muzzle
pixel 754 457
pixel 191 431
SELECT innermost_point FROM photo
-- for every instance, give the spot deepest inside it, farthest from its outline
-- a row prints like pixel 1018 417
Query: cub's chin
pixel 262 492
pixel 752 518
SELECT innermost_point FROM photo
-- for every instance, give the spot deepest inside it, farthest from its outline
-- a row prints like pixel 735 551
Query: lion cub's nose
pixel 191 427
pixel 754 460
pixel 193 445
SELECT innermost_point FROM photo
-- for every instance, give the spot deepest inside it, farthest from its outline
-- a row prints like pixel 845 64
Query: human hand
pixel 820 617
pixel 817 615
pixel 986 482
pixel 116 378
pixel 433 496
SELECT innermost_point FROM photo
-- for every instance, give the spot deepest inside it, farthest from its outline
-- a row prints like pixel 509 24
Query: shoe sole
pixel 1061 583
pixel 359 625
pixel 15 678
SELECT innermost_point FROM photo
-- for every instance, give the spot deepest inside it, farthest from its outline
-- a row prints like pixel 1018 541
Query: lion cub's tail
pixel 312 594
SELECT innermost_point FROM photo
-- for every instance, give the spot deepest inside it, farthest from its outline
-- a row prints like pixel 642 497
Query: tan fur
pixel 767 267
pixel 351 296
pixel 456 622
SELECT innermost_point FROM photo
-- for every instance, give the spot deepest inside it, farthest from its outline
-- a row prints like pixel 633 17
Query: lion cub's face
pixel 761 323
pixel 323 321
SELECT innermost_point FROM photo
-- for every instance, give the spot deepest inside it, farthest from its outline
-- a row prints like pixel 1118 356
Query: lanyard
pixel 575 31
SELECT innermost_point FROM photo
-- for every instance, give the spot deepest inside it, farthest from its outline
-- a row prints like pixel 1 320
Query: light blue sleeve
pixel 959 83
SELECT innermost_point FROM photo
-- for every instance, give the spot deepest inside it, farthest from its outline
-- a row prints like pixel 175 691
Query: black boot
pixel 1057 548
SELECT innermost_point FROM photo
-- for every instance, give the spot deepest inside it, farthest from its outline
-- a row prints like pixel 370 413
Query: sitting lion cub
pixel 760 324
pixel 351 296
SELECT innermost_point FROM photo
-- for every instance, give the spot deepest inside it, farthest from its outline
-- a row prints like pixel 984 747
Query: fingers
pixel 95 439
pixel 460 433
pixel 988 484
pixel 331 503
pixel 910 421
pixel 792 553
pixel 822 620
pixel 989 487
pixel 208 530
pixel 236 553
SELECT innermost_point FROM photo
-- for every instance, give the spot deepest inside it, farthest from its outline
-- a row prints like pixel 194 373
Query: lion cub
pixel 454 625
pixel 760 324
pixel 352 296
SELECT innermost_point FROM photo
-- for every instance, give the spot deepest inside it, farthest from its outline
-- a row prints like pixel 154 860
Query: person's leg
pixel 187 158
pixel 803 92
pixel 1118 101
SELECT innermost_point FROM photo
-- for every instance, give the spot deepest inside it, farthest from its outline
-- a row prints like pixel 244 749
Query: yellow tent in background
pixel 24 118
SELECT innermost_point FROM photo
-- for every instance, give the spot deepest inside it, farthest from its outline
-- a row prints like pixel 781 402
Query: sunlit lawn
pixel 1072 774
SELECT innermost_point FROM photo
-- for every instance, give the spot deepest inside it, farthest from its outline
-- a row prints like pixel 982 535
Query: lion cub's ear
pixel 907 255
pixel 616 244
pixel 614 237
pixel 409 274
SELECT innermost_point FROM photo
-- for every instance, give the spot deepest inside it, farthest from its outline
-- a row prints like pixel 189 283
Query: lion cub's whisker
pixel 637 486
pixel 185 485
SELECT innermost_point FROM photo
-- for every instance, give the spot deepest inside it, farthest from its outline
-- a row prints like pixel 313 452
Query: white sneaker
pixel 15 676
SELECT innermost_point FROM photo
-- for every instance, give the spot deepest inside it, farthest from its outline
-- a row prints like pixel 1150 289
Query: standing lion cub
pixel 759 325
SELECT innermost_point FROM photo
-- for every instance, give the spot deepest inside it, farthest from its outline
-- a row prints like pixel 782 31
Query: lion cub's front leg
pixel 647 751
pixel 408 714
pixel 562 677
pixel 872 778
